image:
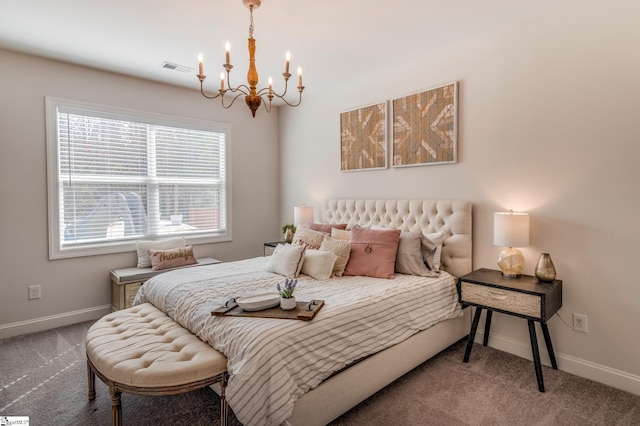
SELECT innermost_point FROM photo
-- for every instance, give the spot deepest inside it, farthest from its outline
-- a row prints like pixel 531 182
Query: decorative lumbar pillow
pixel 341 234
pixel 373 252
pixel 308 237
pixel 342 249
pixel 319 264
pixel 409 259
pixel 171 258
pixel 432 250
pixel 143 247
pixel 286 260
pixel 327 227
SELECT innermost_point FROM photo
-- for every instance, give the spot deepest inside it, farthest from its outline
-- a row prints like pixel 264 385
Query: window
pixel 116 176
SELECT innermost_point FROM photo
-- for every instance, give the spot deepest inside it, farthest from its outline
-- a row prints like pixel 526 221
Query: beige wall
pixel 79 288
pixel 549 125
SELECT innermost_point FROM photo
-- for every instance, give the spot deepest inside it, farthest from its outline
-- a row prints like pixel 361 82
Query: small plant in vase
pixel 288 230
pixel 287 301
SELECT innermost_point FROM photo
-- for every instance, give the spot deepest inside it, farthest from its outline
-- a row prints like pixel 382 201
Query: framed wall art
pixel 425 127
pixel 363 138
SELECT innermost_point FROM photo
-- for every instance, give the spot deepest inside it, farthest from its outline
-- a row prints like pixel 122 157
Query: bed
pixel 369 332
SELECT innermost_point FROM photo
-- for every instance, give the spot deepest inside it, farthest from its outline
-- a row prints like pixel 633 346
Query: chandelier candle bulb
pixel 286 64
pixel 222 81
pixel 201 64
pixel 270 86
pixel 299 77
pixel 227 47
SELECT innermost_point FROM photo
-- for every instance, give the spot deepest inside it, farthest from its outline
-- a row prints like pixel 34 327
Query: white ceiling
pixel 329 39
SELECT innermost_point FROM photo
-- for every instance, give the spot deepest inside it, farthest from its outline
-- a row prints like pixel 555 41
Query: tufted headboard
pixel 449 216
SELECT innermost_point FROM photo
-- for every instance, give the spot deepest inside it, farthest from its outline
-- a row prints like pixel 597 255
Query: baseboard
pixel 579 367
pixel 53 321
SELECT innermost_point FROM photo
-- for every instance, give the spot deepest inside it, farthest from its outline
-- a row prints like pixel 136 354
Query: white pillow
pixel 143 247
pixel 319 264
pixel 286 260
pixel 432 249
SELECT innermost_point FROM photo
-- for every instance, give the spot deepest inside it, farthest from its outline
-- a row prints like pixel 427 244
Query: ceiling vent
pixel 175 67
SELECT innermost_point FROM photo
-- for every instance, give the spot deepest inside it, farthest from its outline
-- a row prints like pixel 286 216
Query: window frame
pixel 52 104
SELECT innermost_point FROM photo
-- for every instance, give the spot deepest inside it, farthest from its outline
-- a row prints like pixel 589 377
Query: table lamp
pixel 511 230
pixel 302 215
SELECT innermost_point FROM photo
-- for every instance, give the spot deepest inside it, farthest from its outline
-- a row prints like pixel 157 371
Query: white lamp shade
pixel 511 229
pixel 302 215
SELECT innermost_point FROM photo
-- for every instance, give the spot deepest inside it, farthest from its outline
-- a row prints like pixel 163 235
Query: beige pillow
pixel 143 247
pixel 341 248
pixel 409 259
pixel 171 258
pixel 432 250
pixel 340 234
pixel 308 237
pixel 286 260
pixel 318 264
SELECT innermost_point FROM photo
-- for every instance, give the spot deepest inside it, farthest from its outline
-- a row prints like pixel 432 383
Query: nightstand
pixel 270 247
pixel 524 297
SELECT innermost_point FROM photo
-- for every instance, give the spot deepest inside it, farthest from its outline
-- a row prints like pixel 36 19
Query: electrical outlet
pixel 34 292
pixel 580 323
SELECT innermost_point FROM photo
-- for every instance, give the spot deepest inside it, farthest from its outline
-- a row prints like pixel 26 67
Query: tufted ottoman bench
pixel 140 350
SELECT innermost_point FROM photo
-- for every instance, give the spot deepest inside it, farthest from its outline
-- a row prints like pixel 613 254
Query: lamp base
pixel 511 262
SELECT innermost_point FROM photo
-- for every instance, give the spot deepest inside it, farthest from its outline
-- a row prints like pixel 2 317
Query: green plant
pixel 286 291
pixel 289 226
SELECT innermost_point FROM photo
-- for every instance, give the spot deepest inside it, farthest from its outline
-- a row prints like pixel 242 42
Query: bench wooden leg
pixel 92 382
pixel 223 401
pixel 116 410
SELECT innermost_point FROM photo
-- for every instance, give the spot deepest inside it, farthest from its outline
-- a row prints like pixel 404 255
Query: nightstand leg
pixel 547 340
pixel 472 334
pixel 487 327
pixel 536 354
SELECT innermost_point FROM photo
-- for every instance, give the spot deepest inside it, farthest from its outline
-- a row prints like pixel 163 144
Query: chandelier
pixel 252 96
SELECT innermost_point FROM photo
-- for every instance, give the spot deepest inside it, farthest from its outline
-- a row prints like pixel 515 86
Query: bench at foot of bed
pixel 142 351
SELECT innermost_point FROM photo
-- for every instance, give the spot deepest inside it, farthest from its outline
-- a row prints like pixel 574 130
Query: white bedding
pixel 272 362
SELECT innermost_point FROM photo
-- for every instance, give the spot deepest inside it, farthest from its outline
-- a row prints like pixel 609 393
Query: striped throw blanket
pixel 272 362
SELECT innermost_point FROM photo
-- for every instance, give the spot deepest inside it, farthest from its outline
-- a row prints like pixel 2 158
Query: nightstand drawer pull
pixel 498 295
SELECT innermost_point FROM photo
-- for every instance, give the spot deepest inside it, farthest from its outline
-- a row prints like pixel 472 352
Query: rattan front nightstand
pixel 271 246
pixel 525 297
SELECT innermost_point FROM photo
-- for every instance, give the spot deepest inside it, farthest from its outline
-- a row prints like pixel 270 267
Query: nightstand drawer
pixel 498 298
pixel 130 291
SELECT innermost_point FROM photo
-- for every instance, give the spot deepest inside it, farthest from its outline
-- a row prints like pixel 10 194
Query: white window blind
pixel 122 176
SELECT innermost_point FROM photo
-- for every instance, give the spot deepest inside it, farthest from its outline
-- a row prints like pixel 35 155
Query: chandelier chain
pixel 251 22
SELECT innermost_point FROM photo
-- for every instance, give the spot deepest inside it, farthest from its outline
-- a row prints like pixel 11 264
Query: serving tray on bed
pixel 305 311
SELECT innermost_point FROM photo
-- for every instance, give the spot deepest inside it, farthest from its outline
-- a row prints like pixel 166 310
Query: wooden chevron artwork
pixel 363 138
pixel 425 127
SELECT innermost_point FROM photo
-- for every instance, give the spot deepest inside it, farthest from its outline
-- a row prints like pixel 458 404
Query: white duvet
pixel 272 362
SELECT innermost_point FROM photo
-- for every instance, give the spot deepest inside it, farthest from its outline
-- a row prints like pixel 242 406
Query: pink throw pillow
pixel 373 252
pixel 326 227
pixel 172 258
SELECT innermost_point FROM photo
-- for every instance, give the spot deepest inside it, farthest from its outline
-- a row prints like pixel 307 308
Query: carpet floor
pixel 43 376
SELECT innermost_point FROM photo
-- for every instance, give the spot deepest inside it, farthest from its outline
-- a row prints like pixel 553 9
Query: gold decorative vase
pixel 288 235
pixel 545 271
